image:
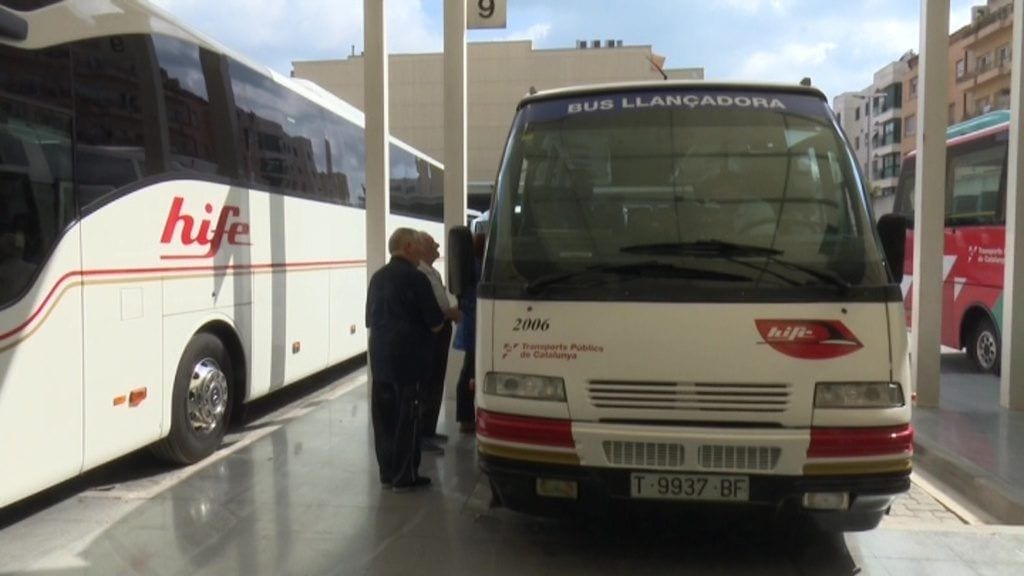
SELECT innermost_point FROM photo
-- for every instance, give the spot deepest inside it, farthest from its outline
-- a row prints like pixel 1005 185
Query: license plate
pixel 689 487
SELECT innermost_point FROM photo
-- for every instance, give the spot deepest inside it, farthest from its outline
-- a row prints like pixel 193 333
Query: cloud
pixel 751 7
pixel 787 64
pixel 276 32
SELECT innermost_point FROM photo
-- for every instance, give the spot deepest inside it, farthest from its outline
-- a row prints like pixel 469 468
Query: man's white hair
pixel 399 238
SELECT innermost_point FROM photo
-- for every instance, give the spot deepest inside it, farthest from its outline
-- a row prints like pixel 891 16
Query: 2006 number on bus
pixel 689 487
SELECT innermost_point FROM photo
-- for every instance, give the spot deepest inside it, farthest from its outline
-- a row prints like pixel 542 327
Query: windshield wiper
pixel 822 274
pixel 649 268
pixel 732 252
pixel 701 248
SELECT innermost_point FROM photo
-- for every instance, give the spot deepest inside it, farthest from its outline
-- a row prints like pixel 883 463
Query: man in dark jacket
pixel 402 316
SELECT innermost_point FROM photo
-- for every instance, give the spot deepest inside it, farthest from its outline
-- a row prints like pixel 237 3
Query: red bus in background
pixel 975 234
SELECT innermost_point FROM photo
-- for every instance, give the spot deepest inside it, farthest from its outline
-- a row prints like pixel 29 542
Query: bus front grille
pixel 644 454
pixel 689 396
pixel 739 458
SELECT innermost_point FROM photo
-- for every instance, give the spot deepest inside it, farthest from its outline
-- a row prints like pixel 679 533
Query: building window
pixel 982 105
pixel 951 117
pixel 961 69
pixel 891 132
pixel 984 62
pixel 913 87
pixel 856 143
pixel 889 168
pixel 1003 55
pixel 910 125
pixel 856 113
pixel 1003 99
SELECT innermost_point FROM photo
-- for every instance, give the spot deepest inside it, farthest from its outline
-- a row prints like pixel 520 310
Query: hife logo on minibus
pixel 809 339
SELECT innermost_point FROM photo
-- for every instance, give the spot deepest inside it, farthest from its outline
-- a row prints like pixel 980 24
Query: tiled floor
pixel 303 499
pixel 969 425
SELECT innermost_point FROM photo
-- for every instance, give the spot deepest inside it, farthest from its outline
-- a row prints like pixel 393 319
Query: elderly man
pixel 403 317
pixel 433 388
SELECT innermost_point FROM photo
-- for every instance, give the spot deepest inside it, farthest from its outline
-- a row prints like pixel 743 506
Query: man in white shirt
pixel 433 389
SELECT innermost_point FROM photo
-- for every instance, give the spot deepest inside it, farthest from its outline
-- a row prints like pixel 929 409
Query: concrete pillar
pixel 375 79
pixel 454 115
pixel 1011 385
pixel 929 201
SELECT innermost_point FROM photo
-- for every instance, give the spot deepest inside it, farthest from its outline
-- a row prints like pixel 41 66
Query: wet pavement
pixel 295 492
pixel 972 444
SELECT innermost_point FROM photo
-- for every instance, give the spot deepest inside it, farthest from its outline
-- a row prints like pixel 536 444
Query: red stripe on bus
pixel 857 442
pixel 176 269
pixel 524 429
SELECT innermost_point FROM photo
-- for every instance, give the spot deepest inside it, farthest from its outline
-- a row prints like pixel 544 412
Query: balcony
pixel 990 24
pixel 887 115
pixel 966 80
pixel 887 148
pixel 993 72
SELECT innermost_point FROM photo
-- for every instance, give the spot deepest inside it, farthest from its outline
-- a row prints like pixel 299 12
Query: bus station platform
pixel 972 444
pixel 295 491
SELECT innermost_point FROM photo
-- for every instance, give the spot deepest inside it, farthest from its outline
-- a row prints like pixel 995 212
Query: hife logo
pixel 234 232
pixel 809 339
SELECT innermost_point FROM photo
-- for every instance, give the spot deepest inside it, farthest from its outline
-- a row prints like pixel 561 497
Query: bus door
pixel 40 299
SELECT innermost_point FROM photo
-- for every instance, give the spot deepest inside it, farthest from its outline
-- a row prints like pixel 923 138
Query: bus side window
pixel 117 115
pixel 35 160
pixel 904 203
pixel 975 176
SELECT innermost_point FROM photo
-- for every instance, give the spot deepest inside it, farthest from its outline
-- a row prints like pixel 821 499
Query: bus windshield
pixel 678 194
pixel 36 200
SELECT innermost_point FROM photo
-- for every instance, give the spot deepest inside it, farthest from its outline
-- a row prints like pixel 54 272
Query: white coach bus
pixel 684 300
pixel 181 231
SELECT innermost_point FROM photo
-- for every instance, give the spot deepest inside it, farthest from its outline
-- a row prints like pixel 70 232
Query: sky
pixel 839 45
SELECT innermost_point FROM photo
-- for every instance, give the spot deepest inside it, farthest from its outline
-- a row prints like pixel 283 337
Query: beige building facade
pixel 980 54
pixel 498 75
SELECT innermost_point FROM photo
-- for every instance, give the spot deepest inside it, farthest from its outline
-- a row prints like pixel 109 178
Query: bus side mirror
pixel 12 26
pixel 892 230
pixel 460 259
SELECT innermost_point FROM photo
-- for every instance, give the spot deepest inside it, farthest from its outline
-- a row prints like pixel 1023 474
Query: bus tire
pixel 201 401
pixel 983 347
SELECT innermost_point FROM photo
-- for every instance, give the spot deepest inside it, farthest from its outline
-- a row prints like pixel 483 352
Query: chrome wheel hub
pixel 207 396
pixel 986 350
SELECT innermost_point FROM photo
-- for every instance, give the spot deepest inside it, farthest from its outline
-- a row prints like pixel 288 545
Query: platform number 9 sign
pixel 485 8
pixel 485 13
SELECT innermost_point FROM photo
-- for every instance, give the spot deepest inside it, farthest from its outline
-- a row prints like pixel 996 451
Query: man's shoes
pixel 419 482
pixel 428 445
pixel 438 438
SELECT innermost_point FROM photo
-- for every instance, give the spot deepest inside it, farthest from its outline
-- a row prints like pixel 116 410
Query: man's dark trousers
pixel 433 390
pixel 395 412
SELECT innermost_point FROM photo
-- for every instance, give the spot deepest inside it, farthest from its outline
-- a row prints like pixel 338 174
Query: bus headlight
pixel 858 395
pixel 525 386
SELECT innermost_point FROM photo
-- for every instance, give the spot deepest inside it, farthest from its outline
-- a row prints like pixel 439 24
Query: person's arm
pixel 453 314
pixel 430 311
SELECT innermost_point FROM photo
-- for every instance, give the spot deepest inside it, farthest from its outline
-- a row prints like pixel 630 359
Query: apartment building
pixel 873 120
pixel 881 120
pixel 498 75
pixel 979 69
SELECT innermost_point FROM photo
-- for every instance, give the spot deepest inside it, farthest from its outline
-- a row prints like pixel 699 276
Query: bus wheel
pixel 983 346
pixel 201 401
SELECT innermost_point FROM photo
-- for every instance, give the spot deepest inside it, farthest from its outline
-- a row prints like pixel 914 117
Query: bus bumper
pixel 601 490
